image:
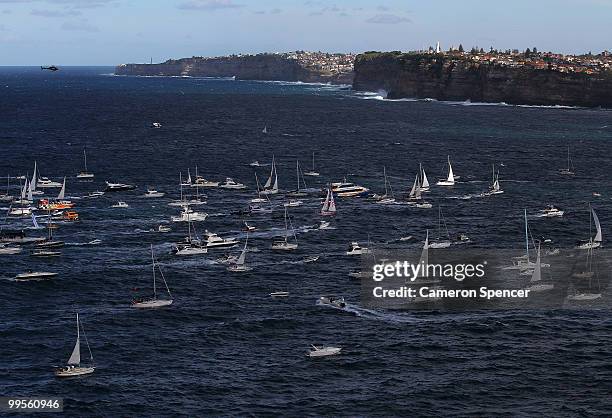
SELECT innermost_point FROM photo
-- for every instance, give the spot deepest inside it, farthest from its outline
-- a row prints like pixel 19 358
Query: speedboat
pixel 257 164
pixel 551 212
pixel 215 241
pixel 120 204
pixel 356 249
pixel 8 249
pixel 95 194
pixel 202 182
pixel 163 228
pixel 337 302
pixel 45 182
pixel 322 351
pixel 345 189
pixel 232 184
pixel 292 203
pixel 584 296
pixel 280 294
pixel 189 215
pixel 324 225
pixel 189 249
pixel 156 125
pixel 34 275
pixel 239 268
pixel 118 187
pixel 151 193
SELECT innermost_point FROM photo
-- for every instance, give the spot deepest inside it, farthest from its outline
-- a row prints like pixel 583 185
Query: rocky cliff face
pixel 248 67
pixel 441 78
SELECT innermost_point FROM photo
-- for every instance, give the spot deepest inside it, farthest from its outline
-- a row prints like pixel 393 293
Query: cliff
pixel 305 67
pixel 444 77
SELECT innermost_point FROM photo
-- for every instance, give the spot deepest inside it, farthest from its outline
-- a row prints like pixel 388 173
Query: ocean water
pixel 225 347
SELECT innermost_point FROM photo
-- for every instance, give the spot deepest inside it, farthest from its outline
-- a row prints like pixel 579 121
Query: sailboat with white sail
pixel 259 198
pixel 313 172
pixel 423 179
pixel 300 191
pixel 7 197
pixel 536 284
pixel 271 186
pixel 569 171
pixel 154 301
pixel 495 187
pixel 415 196
pixel 240 266
pixel 190 245
pixel 329 205
pixel 593 242
pixel 284 244
pixel 440 241
pixel 523 262
pixel 84 174
pixel 74 366
pixel 387 198
pixel 450 179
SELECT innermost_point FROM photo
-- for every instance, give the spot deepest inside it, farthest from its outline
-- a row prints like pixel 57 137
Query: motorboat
pixel 311 259
pixel 292 203
pixel 152 193
pixel 202 182
pixel 120 204
pixel 227 259
pixel 154 301
pixel 24 211
pixel 45 182
pixel 34 275
pixel 189 215
pixel 18 237
pixel 322 351
pixel 70 216
pixel 257 164
pixel 95 194
pixel 9 249
pixel 45 253
pixel 279 294
pixel 215 241
pixel 551 212
pixel 356 249
pixel 323 225
pixel 118 187
pixel 74 367
pixel 336 302
pixel 156 125
pixel 189 249
pixel 232 184
pixel 49 243
pixel 346 189
pixel 163 228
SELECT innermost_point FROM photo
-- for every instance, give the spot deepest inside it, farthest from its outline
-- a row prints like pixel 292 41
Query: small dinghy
pixel 322 351
pixel 156 125
pixel 34 276
pixel 310 259
pixel 163 228
pixel 120 204
pixel 152 193
pixel 331 300
pixel 154 302
pixel 74 367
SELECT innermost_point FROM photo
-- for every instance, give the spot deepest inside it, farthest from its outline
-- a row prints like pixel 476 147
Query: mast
pixel 85 159
pixel 526 237
pixel 385 174
pixel 153 266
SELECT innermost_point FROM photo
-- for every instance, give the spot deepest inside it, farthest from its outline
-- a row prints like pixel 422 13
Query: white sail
pixel 332 202
pixel 62 192
pixel 24 191
pixel 275 186
pixel 188 181
pixel 425 184
pixel 415 187
pixel 598 237
pixel 537 271
pixel 30 191
pixel 75 357
pixel 451 177
pixel 424 261
pixel 242 257
pixel 34 179
pixel 272 171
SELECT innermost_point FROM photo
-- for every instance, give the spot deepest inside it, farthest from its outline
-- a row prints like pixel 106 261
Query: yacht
pixel 551 212
pixel 292 203
pixel 450 180
pixel 189 249
pixel 356 249
pixel 95 194
pixel 313 172
pixel 25 211
pixel 215 241
pixel 74 367
pixel 45 182
pixel 202 182
pixel 163 228
pixel 337 302
pixel 34 275
pixel 232 184
pixel 346 189
pixel 322 351
pixel 189 215
pixel 284 244
pixel 85 175
pixel 120 204
pixel 154 301
pixel 118 187
pixel 9 249
pixel 152 193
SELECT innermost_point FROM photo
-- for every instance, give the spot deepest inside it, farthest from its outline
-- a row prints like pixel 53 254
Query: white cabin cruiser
pixel 189 215
pixel 346 189
pixel 230 183
pixel 34 275
pixel 120 204
pixel 6 249
pixel 551 212
pixel 356 249
pixel 152 193
pixel 202 182
pixel 322 351
pixel 45 182
pixel 215 241
pixel 331 300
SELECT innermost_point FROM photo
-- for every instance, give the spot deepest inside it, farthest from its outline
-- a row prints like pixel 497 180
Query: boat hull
pixel 73 371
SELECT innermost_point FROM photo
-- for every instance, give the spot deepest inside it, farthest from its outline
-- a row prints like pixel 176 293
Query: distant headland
pixel 313 67
pixel 527 77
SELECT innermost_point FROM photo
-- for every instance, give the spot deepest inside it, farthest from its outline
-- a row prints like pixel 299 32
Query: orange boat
pixel 71 216
pixel 62 204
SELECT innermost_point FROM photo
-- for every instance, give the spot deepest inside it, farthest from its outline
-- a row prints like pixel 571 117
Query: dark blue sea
pixel 225 348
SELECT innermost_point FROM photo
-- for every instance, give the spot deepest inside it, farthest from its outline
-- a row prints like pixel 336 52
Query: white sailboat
pixel 300 191
pixel 329 205
pixel 424 180
pixel 259 198
pixel 85 175
pixel 595 241
pixel 190 246
pixel 239 265
pixel 313 172
pixel 450 180
pixel 569 171
pixel 495 187
pixel 441 242
pixel 74 366
pixel 187 183
pixel 423 277
pixel 154 302
pixel 265 129
pixel 387 198
pixel 536 277
pixel 271 186
pixel 284 244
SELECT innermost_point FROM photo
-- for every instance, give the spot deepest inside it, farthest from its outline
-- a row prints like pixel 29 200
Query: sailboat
pixel 494 188
pixel 49 242
pixel 74 367
pixel 414 197
pixel 284 244
pixel 154 302
pixel 523 262
pixel 313 172
pixel 441 242
pixel 424 181
pixel 85 175
pixel 595 241
pixel 271 186
pixel 586 294
pixel 423 276
pixel 265 129
pixel 569 171
pixel 300 191
pixel 450 180
pixel 187 182
pixel 190 245
pixel 329 205
pixel 6 197
pixel 259 199
pixel 536 277
pixel 387 198
pixel 239 265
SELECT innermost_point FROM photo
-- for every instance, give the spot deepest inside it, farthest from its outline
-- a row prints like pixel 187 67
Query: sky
pixel 110 32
